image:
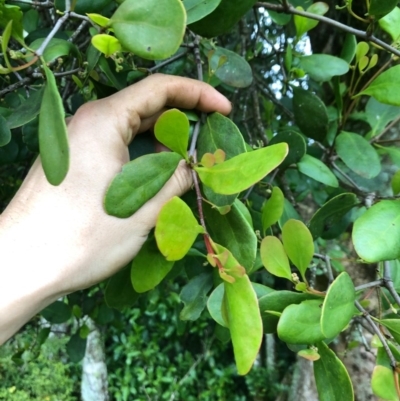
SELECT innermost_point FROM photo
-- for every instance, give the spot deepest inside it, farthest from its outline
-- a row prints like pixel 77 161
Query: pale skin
pixel 57 240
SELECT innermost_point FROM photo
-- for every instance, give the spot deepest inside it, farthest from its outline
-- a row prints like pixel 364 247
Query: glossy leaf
pixel 138 182
pixel 304 24
pixel 274 257
pixel 149 267
pixel 297 146
pixel 310 114
pixel 245 323
pixel 223 18
pixel 106 44
pixel 53 139
pixel 395 183
pixel 230 68
pixel 332 212
pixel 358 154
pixel 99 19
pixel 338 306
pixel 234 232
pixel 219 132
pixel 194 296
pixel 76 348
pixel 317 170
pixel 327 367
pixel 383 384
pixel 57 312
pixel 172 130
pixel 119 292
pixel 176 229
pixel 386 87
pixel 152 29
pixel 273 208
pixel 323 67
pixel 242 171
pixel 379 8
pixel 390 23
pixel 298 244
pixel 215 305
pixel 300 324
pixel 198 9
pixel 376 234
pixel 5 132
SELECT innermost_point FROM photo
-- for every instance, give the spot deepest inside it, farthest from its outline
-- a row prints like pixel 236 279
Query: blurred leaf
pixel 194 296
pixel 152 29
pixel 230 68
pixel 300 324
pixel 106 44
pixel 310 114
pixel 84 6
pixel 289 212
pixel 12 13
pixel 76 348
pixel 242 171
pixel 379 8
pixel 214 305
pixel 395 183
pixel 53 138
pixel 383 384
pixel 349 48
pixel 172 130
pixel 309 354
pixel 393 325
pixel 274 258
pixel 323 67
pixel 328 366
pixel 376 233
pixel 331 212
pixel 358 154
pixel 57 312
pixel 139 181
pixel 273 208
pixel 304 24
pixel 338 307
pixel 5 132
pixel 30 135
pixel 198 9
pixel 176 229
pixel 317 170
pixel 390 23
pixel 99 19
pixel 379 115
pixel 55 49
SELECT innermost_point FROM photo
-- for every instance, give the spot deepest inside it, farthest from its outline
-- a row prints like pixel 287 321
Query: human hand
pixel 68 240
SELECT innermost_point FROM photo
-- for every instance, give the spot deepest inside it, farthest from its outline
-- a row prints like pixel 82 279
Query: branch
pixel 16 85
pixel 388 282
pixel 168 61
pixel 287 8
pixel 44 4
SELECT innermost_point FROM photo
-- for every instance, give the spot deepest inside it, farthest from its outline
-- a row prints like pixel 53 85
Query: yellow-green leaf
pixel 274 257
pixel 273 208
pixel 106 44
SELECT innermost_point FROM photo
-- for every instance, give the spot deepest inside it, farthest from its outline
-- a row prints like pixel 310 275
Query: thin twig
pixel 15 86
pixel 78 31
pixel 168 61
pixel 346 176
pixel 376 283
pixel 44 4
pixel 388 282
pixel 328 266
pixel 387 128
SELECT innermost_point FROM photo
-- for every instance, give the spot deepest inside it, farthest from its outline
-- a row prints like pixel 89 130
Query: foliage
pixel 307 131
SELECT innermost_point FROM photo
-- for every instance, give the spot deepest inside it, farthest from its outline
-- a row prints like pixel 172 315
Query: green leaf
pixel 5 133
pixel 309 354
pixel 138 182
pixel 394 154
pixel 194 296
pixel 393 325
pixel 349 48
pixel 215 305
pixel 198 9
pixel 298 244
pixel 390 23
pixel 56 313
pixel 172 130
pixel 383 384
pixel 234 232
pixel 386 87
pixel 297 146
pixel 99 19
pixel 273 208
pixel 4 43
pixel 230 68
pixel 376 234
pixel 242 171
pixel 119 292
pixel 76 348
pixel 395 183
pixel 331 213
pixel 219 132
pixel 379 8
pixel 149 267
pixel 289 212
pixel 223 18
pixel 358 154
pixel 310 114
pixel 300 324
pixel 30 135
pixel 338 307
pixel 304 24
pixel 245 323
pixel 106 44
pixel 323 67
pixel 53 139
pixel 27 110
pixel 176 229
pixel 327 367
pixel 84 6
pixel 152 29
pixel 314 168
pixel 12 13
pixel 55 49
pixel 274 258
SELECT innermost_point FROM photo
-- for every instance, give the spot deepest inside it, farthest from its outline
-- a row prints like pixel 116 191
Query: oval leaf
pixel 317 170
pixel 274 258
pixel 152 29
pixel 379 8
pixel 273 208
pixel 338 307
pixel 172 130
pixel 376 234
pixel 214 305
pixel 106 44
pixel 139 181
pixel 53 139
pixel 242 171
pixel 198 9
pixel 383 384
pixel 176 229
pixel 390 23
pixel 298 243
pixel 323 67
